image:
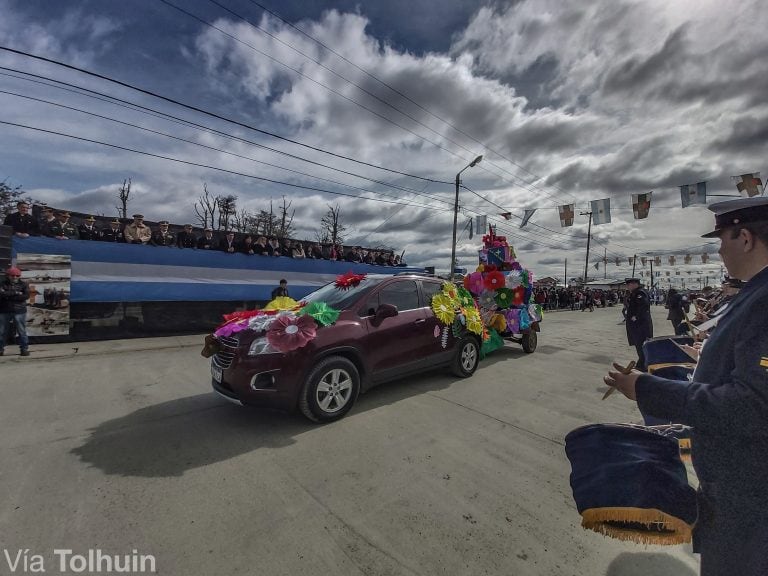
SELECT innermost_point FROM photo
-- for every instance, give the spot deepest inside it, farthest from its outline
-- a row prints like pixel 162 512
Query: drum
pixel 666 360
pixel 629 483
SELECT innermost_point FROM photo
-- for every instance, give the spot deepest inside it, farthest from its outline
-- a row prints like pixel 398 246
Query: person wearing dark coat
pixel 114 233
pixel 639 323
pixel 186 238
pixel 22 222
pixel 676 314
pixel 161 236
pixel 87 230
pixel 228 244
pixel 206 241
pixel 14 294
pixel 726 403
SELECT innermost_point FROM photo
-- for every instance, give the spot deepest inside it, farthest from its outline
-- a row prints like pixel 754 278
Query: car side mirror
pixel 383 312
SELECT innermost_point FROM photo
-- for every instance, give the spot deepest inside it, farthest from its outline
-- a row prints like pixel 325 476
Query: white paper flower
pixel 514 279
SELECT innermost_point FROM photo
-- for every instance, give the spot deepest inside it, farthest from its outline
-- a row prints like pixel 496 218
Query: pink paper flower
pixel 288 333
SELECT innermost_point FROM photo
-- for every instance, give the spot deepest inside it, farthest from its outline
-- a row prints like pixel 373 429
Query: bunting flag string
pixel 601 211
pixel 481 224
pixel 567 214
pixel 704 258
pixel 641 205
pixel 526 217
pixel 506 215
pixel 749 184
pixel 691 194
pixel 671 260
pixel 657 261
pixel 687 258
pixel 644 261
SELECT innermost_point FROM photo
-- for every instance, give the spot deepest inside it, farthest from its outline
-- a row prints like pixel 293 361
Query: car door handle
pixel 420 321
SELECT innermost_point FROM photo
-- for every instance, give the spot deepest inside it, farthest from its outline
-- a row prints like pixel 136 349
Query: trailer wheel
pixel 529 341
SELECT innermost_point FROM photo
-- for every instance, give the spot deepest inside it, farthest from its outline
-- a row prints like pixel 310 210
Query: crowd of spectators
pixel 574 298
pixel 58 225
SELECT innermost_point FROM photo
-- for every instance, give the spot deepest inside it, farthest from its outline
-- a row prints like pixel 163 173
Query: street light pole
pixel 474 162
pixel 589 237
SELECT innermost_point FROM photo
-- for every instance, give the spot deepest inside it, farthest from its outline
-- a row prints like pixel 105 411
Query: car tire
pixel 330 389
pixel 529 341
pixel 467 358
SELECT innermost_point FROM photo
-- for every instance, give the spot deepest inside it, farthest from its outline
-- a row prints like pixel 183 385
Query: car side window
pixel 403 294
pixel 429 289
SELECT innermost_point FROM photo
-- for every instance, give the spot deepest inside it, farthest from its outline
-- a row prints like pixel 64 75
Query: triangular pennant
pixel 527 216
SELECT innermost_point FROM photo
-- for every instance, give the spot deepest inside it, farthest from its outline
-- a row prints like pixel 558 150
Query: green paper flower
pixel 465 297
pixel 494 342
pixel 504 297
pixel 321 312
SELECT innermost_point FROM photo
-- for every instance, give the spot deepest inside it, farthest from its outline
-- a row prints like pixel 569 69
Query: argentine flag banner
pixel 107 272
pixel 601 211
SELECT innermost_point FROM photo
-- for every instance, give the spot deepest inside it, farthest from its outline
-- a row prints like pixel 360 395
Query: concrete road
pixel 122 446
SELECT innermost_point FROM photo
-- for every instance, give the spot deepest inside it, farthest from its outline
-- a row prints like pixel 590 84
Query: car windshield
pixel 341 299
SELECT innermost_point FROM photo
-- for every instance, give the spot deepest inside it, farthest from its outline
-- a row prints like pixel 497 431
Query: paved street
pixel 122 446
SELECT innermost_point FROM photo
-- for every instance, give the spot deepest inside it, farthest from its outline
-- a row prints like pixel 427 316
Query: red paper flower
pixel 288 333
pixel 241 315
pixel 519 294
pixel 349 280
pixel 493 280
pixel 490 268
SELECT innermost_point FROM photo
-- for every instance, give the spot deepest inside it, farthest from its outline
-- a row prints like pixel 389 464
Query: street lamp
pixel 472 164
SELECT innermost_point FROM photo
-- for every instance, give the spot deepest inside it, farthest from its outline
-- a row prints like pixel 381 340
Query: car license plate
pixel 216 373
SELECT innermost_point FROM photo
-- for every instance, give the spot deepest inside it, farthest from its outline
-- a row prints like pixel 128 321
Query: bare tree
pixel 331 227
pixel 9 196
pixel 285 227
pixel 206 208
pixel 244 221
pixel 123 194
pixel 264 223
pixel 227 209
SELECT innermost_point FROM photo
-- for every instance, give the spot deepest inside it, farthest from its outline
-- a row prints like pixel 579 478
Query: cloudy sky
pixel 375 106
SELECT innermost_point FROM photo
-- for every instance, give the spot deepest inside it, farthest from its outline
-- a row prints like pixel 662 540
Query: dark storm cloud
pixel 747 134
pixel 549 261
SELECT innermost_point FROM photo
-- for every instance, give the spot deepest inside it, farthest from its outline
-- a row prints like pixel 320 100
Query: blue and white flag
pixel 691 194
pixel 601 211
pixel 527 216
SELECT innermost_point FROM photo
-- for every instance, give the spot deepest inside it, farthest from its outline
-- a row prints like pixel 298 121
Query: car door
pixel 432 344
pixel 396 344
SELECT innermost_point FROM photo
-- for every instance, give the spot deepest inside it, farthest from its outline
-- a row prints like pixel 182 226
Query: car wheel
pixel 467 358
pixel 529 341
pixel 330 390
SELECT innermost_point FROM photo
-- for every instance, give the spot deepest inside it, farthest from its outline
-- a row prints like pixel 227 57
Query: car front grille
pixel 223 358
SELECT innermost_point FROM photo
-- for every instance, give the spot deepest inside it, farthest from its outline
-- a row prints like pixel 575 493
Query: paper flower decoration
pixel 493 280
pixel 281 303
pixel 530 277
pixel 490 268
pixel 534 311
pixel 458 326
pixel 504 297
pixel 524 278
pixel 474 323
pixel 241 315
pixel 444 308
pixel 450 290
pixel 493 342
pixel 474 282
pixel 486 300
pixel 261 322
pixel 498 322
pixel 513 320
pixel 464 297
pixel 231 328
pixel 519 296
pixel 525 319
pixel 513 279
pixel 321 312
pixel 291 332
pixel 516 266
pixel 349 280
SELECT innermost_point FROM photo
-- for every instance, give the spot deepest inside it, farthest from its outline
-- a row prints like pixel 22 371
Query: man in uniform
pixel 639 322
pixel 113 233
pixel 727 403
pixel 161 236
pixel 88 230
pixel 47 221
pixel 186 238
pixel 137 232
pixel 22 222
pixel 14 294
pixel 63 229
pixel 206 241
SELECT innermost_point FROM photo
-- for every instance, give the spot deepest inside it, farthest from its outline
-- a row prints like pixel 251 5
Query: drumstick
pixel 626 370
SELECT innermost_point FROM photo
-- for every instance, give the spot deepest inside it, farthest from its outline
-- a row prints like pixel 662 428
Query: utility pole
pixel 651 259
pixel 589 237
pixel 605 262
pixel 634 263
pixel 565 273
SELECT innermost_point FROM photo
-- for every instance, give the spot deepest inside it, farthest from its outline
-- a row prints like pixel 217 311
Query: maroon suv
pixel 386 330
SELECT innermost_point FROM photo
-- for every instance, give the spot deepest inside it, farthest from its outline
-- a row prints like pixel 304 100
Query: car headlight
pixel 261 346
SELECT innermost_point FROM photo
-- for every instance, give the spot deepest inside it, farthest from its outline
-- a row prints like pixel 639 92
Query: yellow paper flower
pixel 450 291
pixel 281 303
pixel 444 308
pixel 474 322
pixel 498 323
